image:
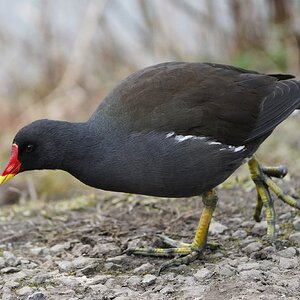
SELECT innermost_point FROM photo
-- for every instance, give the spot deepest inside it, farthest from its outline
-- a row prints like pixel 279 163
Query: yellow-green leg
pixel 185 253
pixel 264 184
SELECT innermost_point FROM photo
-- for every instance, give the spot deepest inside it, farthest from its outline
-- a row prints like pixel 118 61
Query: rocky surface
pixel 73 249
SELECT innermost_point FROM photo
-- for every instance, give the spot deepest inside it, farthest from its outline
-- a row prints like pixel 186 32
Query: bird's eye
pixel 29 148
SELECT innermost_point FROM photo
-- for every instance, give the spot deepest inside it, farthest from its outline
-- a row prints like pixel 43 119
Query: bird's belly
pixel 168 168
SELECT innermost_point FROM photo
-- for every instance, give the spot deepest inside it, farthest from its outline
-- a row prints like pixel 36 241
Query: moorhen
pixel 175 129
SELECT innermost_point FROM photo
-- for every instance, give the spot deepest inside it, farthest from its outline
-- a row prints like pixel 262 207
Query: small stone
pixel 249 275
pixel 260 228
pixel 37 250
pixel 90 269
pixel 217 228
pixel 81 262
pixel 60 247
pixel 100 288
pixel 24 261
pixel 263 253
pixel 295 238
pixel 65 265
pixel 37 296
pixel 169 289
pixel 25 291
pixel 288 263
pixel 248 266
pixel 40 278
pixel 108 248
pixel 288 252
pixel 7 296
pixel 69 281
pixel 117 259
pixel 266 265
pixel 296 223
pixel 286 216
pixel 148 279
pixel 252 247
pixel 2 262
pixel 202 274
pixel 246 241
pixel 12 284
pixel 99 279
pixel 235 221
pixel 248 224
pixel 143 268
pixel 10 259
pixel 226 271
pixel 240 234
pixel 111 266
pixel 134 281
pixel 8 270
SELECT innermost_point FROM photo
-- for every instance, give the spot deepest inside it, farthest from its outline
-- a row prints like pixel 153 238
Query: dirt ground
pixel 72 249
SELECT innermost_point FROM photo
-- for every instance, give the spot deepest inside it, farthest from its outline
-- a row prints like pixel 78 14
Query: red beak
pixel 13 165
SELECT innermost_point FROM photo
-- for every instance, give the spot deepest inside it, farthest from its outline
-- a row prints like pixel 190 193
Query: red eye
pixel 29 148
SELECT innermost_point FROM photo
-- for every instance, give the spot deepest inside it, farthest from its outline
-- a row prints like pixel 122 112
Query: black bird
pixel 175 129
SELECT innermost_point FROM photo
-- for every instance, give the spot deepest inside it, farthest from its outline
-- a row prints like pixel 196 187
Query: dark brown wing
pixel 226 103
pixel 276 107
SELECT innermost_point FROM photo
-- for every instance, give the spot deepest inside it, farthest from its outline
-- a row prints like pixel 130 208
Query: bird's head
pixel 34 147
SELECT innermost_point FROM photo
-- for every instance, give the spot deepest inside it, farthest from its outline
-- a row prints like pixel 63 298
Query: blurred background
pixel 60 58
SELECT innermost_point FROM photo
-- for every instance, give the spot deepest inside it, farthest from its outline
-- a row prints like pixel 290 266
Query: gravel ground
pixel 72 249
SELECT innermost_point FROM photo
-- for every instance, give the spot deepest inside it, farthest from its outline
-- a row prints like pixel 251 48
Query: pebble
pixel 295 238
pixel 59 247
pixel 111 266
pixel 286 216
pixel 143 268
pixel 235 221
pixel 248 240
pixel 37 250
pixel 248 266
pixel 134 281
pixel 217 228
pixel 259 229
pixel 12 284
pixel 226 270
pixel 240 233
pixel 252 247
pixel 24 291
pixel 9 270
pixel 250 275
pixel 148 279
pixel 10 259
pixel 37 296
pixel 2 262
pixel 288 252
pixel 288 263
pixel 118 259
pixel 81 262
pixel 169 289
pixel 266 265
pixel 108 248
pixel 65 265
pixel 296 223
pixel 40 278
pixel 99 279
pixel 88 270
pixel 100 288
pixel 202 274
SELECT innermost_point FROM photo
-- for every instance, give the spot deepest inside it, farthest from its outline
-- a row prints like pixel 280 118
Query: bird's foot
pixel 182 253
pixel 261 176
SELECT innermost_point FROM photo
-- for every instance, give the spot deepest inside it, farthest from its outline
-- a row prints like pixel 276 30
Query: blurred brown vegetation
pixel 63 74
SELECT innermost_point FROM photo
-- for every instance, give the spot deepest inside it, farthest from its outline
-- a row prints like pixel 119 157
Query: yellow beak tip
pixel 5 178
